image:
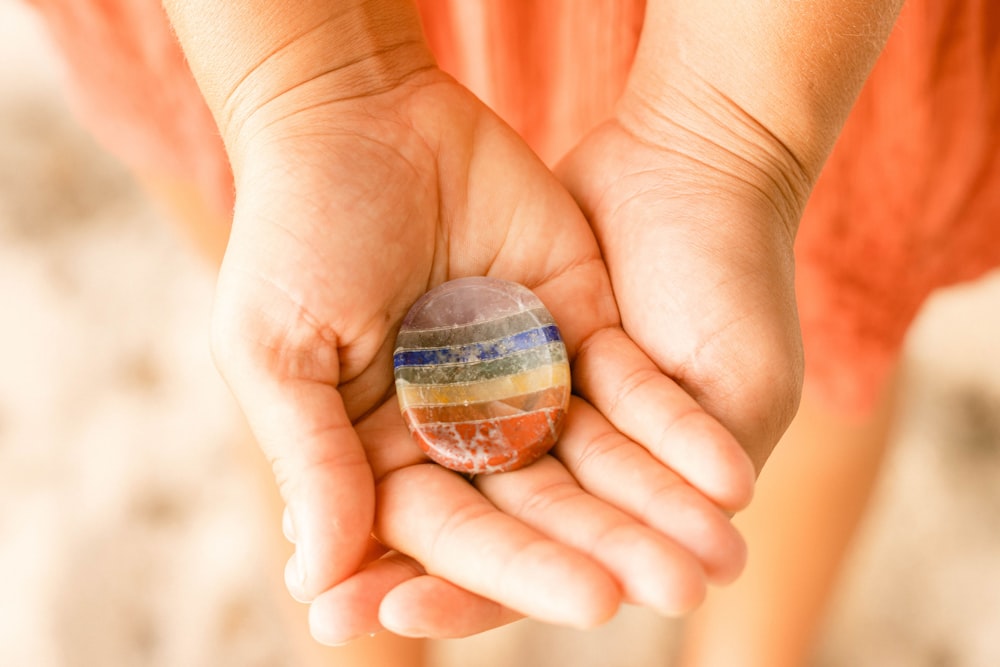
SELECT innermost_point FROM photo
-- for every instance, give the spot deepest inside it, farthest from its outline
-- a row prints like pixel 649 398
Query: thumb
pixel 324 477
pixel 316 456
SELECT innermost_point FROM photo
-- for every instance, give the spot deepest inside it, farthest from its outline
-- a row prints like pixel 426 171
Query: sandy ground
pixel 131 531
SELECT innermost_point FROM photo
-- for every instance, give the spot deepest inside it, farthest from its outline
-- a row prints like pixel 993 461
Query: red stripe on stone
pixel 490 445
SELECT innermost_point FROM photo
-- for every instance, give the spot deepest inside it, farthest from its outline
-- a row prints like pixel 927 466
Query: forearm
pixel 793 67
pixel 256 59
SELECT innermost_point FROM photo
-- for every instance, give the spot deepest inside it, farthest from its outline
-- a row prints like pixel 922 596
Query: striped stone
pixel 482 375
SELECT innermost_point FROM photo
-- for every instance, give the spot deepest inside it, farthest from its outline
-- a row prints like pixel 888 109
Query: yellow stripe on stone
pixel 543 377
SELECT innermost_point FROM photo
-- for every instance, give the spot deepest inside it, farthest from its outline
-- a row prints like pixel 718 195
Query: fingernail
pixel 339 641
pixel 300 566
pixel 333 643
pixel 295 578
pixel 287 525
pixel 323 638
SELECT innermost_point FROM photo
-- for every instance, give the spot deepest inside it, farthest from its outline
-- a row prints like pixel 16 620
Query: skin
pixel 306 344
pixel 365 177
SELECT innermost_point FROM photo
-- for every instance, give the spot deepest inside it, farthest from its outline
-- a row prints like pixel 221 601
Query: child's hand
pixel 347 211
pixel 697 236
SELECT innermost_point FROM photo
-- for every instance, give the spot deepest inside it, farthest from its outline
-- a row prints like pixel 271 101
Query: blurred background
pixel 133 528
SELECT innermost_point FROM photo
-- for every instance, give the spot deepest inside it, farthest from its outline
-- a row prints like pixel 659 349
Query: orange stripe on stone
pixel 553 397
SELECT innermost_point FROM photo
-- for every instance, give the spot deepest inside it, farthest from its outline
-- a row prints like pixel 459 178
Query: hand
pixel 348 210
pixel 697 233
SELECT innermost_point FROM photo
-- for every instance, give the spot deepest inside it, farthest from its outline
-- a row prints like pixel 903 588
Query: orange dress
pixel 909 200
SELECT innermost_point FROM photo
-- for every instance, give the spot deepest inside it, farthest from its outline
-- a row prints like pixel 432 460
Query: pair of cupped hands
pixel 662 245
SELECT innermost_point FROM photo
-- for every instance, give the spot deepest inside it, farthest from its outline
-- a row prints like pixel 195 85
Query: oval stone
pixel 482 375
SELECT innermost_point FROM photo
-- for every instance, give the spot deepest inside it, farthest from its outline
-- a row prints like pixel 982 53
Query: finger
pixel 612 467
pixel 428 606
pixel 351 608
pixel 648 407
pixel 439 519
pixel 652 570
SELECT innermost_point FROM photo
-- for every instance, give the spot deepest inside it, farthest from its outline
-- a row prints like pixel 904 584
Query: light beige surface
pixel 130 528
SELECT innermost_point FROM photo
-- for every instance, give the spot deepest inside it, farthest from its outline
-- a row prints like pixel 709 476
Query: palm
pixel 345 215
pixel 363 218
pixel 701 262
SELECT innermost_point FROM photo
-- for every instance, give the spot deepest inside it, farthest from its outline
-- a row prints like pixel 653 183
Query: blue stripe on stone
pixel 477 371
pixel 492 349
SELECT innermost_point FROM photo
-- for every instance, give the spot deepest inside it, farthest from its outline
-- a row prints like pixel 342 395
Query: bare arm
pixel 256 59
pixel 793 68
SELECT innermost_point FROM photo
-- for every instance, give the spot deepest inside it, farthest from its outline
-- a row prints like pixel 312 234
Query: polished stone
pixel 482 375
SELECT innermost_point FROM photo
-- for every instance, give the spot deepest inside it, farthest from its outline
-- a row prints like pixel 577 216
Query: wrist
pixel 258 62
pixel 792 69
pixel 718 147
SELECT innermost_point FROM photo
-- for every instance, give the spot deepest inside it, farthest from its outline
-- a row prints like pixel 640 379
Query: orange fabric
pixel 553 70
pixel 132 88
pixel 909 200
